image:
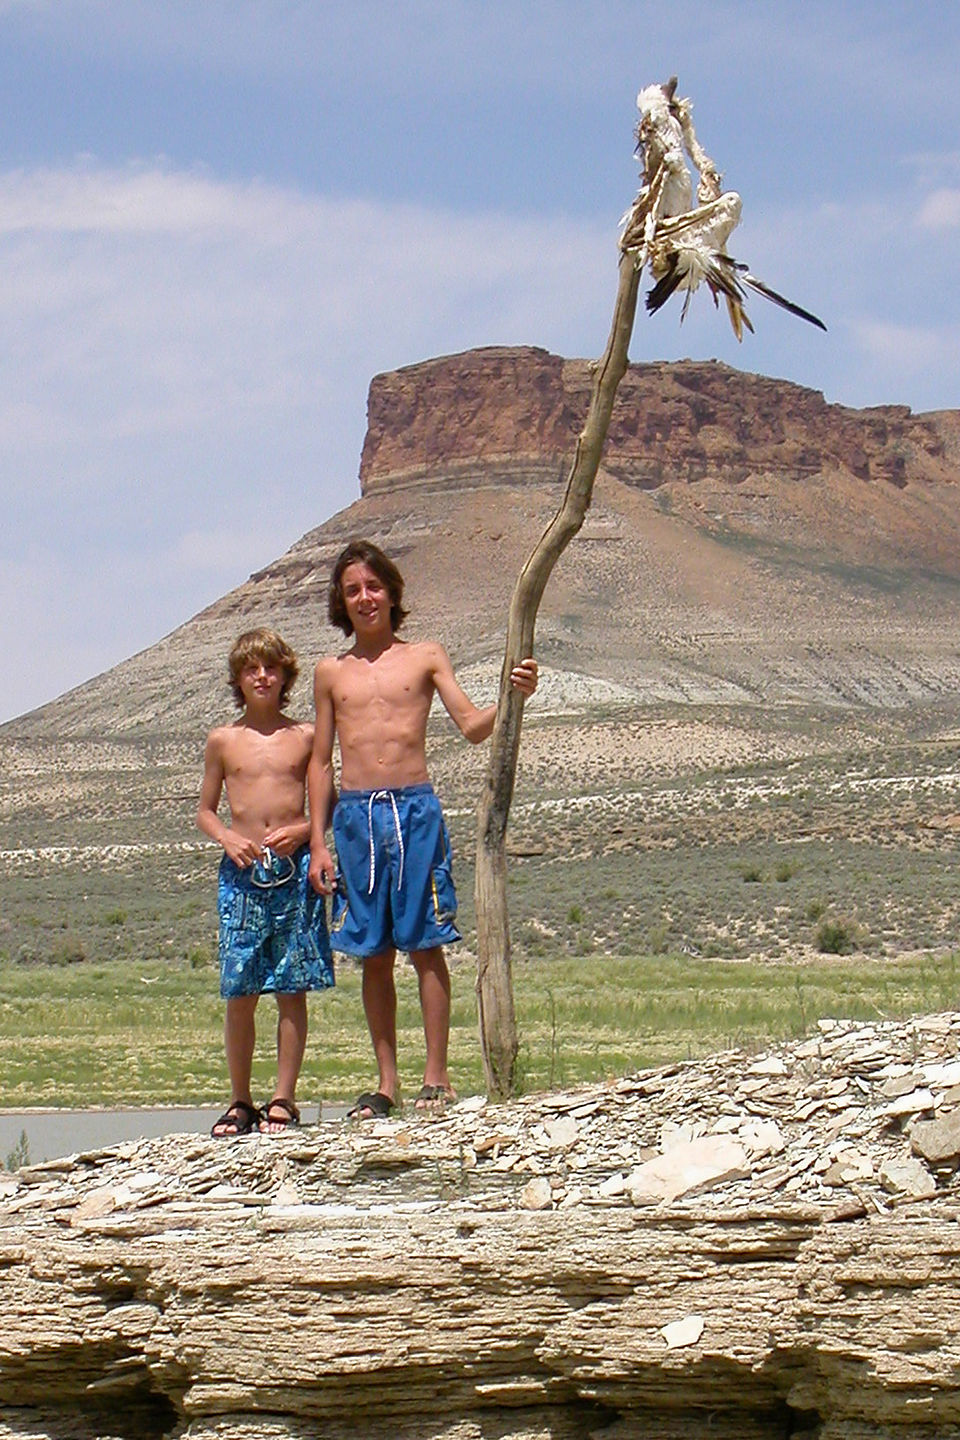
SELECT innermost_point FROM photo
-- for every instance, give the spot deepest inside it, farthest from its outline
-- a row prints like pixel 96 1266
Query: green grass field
pixel 131 1033
pixel 662 905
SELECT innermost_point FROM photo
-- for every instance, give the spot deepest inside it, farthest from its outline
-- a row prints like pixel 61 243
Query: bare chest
pixel 251 757
pixel 381 691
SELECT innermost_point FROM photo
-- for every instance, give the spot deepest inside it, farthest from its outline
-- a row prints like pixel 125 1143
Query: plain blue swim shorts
pixel 273 928
pixel 394 880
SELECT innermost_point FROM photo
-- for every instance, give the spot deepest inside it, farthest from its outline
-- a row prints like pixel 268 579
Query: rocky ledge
pixel 504 415
pixel 750 1246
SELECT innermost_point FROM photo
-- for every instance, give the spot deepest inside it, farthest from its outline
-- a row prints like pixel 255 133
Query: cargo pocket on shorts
pixel 441 889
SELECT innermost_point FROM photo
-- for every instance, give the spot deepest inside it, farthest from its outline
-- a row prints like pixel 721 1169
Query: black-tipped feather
pixel 724 276
pixel 777 299
pixel 664 287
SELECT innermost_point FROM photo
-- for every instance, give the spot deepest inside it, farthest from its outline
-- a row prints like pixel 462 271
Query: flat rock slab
pixel 486 1274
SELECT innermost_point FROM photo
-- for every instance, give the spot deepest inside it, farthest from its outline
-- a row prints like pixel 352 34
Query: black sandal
pixel 376 1102
pixel 289 1120
pixel 243 1117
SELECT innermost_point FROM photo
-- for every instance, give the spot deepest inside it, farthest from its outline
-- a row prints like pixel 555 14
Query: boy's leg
pixel 291 1043
pixel 434 981
pixel 239 1036
pixel 380 1008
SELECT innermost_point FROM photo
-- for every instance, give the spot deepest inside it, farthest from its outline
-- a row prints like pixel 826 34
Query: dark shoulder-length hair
pixel 364 552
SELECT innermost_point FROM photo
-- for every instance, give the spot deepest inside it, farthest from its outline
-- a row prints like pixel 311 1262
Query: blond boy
pixel 273 933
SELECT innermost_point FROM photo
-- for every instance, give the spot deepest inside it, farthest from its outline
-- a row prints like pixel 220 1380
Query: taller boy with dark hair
pixel 273 933
pixel 394 889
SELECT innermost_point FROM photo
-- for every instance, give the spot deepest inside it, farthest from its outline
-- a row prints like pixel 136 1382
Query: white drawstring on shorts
pixel 383 795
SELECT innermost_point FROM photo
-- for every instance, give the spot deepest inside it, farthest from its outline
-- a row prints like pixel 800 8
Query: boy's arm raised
pixel 472 722
pixel 242 852
pixel 320 782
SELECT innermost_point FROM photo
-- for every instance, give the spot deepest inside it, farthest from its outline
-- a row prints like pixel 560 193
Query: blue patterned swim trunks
pixel 273 928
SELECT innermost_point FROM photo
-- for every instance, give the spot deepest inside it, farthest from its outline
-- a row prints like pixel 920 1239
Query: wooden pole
pixel 498 1026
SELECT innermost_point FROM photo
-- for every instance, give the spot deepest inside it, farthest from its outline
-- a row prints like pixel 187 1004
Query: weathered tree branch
pixel 498 1030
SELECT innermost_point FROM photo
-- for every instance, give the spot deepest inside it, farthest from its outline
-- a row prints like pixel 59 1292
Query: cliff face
pixel 506 416
pixel 747 542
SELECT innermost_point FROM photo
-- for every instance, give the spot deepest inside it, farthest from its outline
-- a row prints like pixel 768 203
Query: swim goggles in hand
pixel 271 870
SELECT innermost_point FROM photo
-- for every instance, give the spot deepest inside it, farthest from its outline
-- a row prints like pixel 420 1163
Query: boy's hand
pixel 322 870
pixel 523 677
pixel 285 839
pixel 242 852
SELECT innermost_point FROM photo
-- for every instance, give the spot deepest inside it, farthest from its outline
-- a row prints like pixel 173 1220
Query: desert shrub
pixel 19 1155
pixel 657 939
pixel 68 951
pixel 752 874
pixel 784 872
pixel 836 937
pixel 200 957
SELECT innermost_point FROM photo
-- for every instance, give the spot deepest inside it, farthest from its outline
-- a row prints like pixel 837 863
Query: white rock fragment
pixel 471 1104
pixel 537 1194
pixel 761 1137
pixel 913 1103
pixel 573 1197
pixel 145 1180
pixel 684 1169
pixel 287 1194
pixel 943 1075
pixel 562 1132
pixel 726 1125
pixel 672 1133
pixel 938 1141
pixel 95 1205
pixel 683 1332
pixel 768 1065
pixel 896 1085
pixel 611 1187
pixel 849 1167
pixel 907 1176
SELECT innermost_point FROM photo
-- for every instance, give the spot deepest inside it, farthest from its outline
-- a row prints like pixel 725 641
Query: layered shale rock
pixel 751 1246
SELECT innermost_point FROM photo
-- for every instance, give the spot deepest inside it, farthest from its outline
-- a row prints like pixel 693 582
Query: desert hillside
pixel 748 543
pixel 750 662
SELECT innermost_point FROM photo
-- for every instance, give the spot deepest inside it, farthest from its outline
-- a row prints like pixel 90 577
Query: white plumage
pixel 686 245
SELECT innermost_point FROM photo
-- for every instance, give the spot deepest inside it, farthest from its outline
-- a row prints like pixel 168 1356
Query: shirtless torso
pixel 375 699
pixel 263 769
pixel 378 706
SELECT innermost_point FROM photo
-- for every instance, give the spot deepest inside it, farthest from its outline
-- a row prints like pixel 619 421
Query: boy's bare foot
pixel 279 1115
pixel 239 1118
pixel 434 1098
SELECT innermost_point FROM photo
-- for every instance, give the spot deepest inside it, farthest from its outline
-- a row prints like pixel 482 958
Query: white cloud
pixel 183 387
pixel 914 350
pixel 940 210
pixel 186 360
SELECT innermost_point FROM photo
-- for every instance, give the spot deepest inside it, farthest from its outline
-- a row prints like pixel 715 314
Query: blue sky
pixel 220 218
